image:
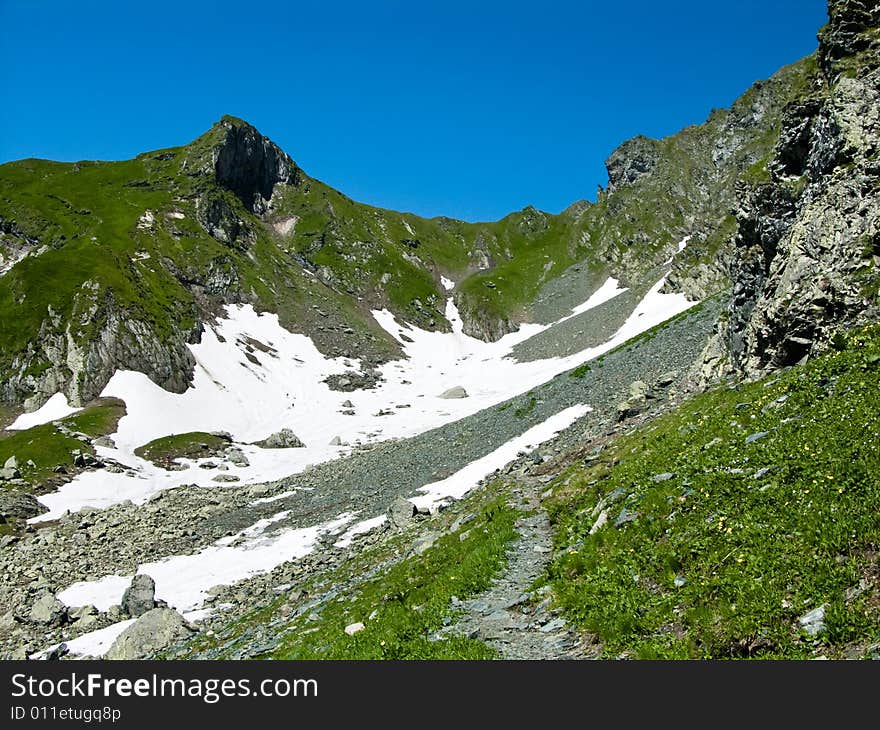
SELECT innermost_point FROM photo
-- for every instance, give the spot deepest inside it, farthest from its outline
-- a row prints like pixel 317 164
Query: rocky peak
pixel 806 262
pixel 633 159
pixel 250 165
pixel 848 32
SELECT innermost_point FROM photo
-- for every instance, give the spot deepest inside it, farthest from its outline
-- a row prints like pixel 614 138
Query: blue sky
pixel 468 109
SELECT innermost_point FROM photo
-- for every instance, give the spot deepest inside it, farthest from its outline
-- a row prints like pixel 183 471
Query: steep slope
pixel 807 255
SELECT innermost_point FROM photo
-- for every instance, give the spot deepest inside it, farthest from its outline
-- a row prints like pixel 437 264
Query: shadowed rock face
pixel 845 33
pixel 633 159
pixel 807 255
pixel 250 165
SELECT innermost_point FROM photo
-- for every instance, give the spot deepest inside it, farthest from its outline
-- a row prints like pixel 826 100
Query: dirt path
pixel 509 617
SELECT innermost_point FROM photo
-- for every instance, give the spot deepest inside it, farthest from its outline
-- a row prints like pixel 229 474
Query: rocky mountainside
pixel 644 427
pixel 117 265
pixel 807 246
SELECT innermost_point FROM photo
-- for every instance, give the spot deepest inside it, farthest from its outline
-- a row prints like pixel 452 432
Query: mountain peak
pixel 249 163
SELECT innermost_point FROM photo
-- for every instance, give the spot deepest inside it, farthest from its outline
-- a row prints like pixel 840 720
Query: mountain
pixel 259 419
pixel 118 265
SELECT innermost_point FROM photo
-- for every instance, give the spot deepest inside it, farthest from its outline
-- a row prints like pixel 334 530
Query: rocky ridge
pixel 807 251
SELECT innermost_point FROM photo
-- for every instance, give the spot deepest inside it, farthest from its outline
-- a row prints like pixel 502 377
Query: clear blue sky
pixel 470 109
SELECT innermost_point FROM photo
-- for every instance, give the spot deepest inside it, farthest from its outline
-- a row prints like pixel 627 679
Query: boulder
pixel 813 622
pixel 425 542
pixel 11 463
pixel 152 632
pixel 283 439
pixel 237 457
pixel 456 392
pixel 48 611
pixel 140 596
pixel 401 512
pixel 354 628
pixel 8 473
pixel 19 504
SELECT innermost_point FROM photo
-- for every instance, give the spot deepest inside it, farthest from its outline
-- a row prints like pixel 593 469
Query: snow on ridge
pixel 53 409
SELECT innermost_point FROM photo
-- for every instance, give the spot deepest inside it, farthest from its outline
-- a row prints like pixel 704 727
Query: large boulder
pixel 283 439
pixel 401 512
pixel 48 611
pixel 456 392
pixel 154 631
pixel 18 504
pixel 140 596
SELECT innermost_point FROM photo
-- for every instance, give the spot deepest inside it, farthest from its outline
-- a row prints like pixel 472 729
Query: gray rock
pixel 48 611
pixel 456 392
pixel 664 477
pixel 9 473
pixel 755 437
pixel 237 457
pixel 19 504
pixel 553 625
pixel 666 379
pixel 104 441
pixel 625 517
pixel 140 596
pixel 153 631
pixel 11 463
pixel 401 512
pixel 425 542
pixel 336 441
pixel 600 522
pixel 283 439
pixel 226 478
pixel 813 622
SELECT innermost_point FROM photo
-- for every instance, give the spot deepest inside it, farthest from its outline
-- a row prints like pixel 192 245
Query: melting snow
pixel 53 409
pixel 284 388
pixel 460 483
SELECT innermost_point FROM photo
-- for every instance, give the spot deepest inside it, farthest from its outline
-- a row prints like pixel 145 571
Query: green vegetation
pixel 193 445
pixel 581 371
pixel 750 531
pixel 401 601
pixel 47 447
pixel 409 601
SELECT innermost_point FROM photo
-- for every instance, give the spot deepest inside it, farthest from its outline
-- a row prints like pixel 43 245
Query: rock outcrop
pixel 251 165
pixel 631 160
pixel 151 633
pixel 807 257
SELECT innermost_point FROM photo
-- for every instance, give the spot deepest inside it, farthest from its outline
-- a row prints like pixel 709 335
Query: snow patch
pixel 460 483
pixel 53 409
pixel 253 378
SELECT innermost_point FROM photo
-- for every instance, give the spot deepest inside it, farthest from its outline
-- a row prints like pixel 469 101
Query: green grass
pixel 411 599
pixel 756 549
pixel 192 445
pixel 401 598
pixel 47 447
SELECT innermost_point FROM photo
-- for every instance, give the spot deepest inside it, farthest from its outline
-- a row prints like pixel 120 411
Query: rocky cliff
pixel 806 262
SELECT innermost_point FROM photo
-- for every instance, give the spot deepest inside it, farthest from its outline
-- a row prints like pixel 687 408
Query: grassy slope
pixel 756 549
pixel 193 445
pixel 47 447
pixel 401 602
